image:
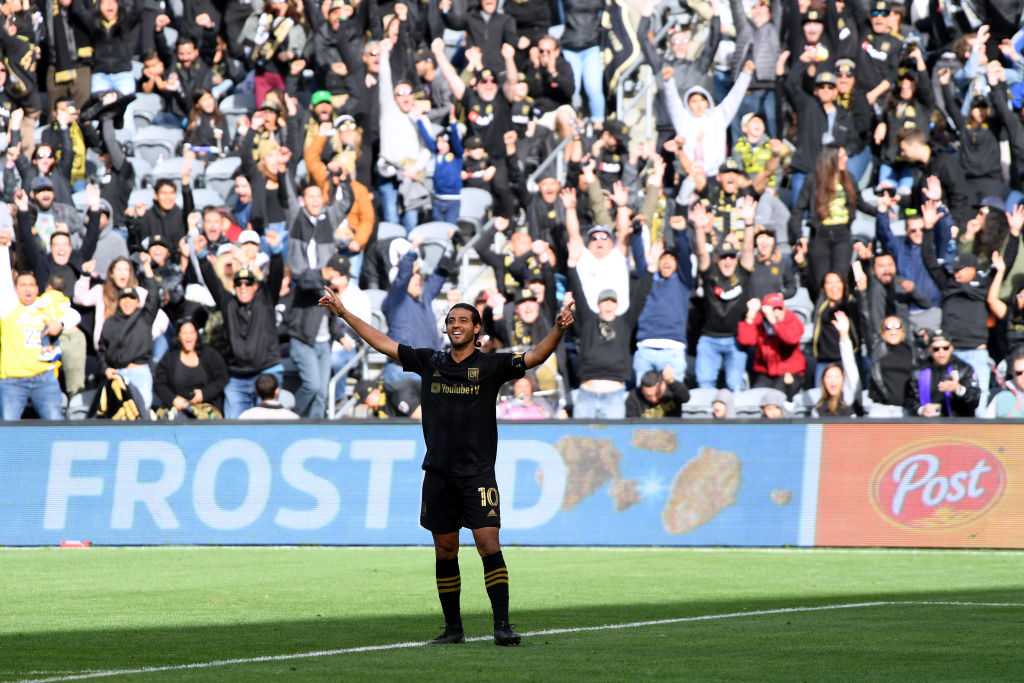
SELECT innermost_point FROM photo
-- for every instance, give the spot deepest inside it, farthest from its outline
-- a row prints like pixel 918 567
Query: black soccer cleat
pixel 451 634
pixel 504 635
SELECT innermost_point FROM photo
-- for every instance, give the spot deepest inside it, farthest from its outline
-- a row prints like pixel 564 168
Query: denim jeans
pixel 978 359
pixel 124 83
pixel 902 177
pixel 647 358
pixel 796 181
pixel 393 372
pixel 714 353
pixel 340 357
pixel 281 228
pixel 858 163
pixel 607 406
pixel 388 188
pixel 142 379
pixel 446 210
pixel 588 69
pixel 42 389
pixel 314 366
pixel 759 102
pixel 240 393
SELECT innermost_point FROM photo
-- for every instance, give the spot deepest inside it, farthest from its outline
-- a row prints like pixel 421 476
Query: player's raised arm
pixel 372 336
pixel 541 351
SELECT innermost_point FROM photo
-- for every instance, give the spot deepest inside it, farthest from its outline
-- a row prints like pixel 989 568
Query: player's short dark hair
pixel 472 310
pixel 162 182
pixel 266 387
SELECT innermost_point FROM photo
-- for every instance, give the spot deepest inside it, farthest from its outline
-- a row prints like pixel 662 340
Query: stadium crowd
pixel 824 220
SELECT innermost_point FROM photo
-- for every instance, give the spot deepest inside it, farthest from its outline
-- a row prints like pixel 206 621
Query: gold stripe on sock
pixel 493 572
pixel 448 582
pixel 449 590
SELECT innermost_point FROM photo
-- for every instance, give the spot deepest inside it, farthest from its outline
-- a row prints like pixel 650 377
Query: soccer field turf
pixel 297 613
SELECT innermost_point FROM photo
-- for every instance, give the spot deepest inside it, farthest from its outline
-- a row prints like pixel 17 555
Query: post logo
pixel 938 485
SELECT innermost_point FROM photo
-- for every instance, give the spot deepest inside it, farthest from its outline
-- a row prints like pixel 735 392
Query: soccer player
pixel 459 389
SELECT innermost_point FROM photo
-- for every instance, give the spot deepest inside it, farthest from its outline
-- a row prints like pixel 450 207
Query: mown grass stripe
pixel 556 631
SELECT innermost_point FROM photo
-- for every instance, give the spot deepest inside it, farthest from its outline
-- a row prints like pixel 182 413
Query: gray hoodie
pixel 713 124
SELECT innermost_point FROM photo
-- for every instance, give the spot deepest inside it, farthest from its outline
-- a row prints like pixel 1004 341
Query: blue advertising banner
pixel 561 483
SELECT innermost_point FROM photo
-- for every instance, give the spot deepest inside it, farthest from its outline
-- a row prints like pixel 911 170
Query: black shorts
pixel 449 503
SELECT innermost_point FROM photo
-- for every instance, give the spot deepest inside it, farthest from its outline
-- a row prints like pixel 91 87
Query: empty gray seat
pixel 156 143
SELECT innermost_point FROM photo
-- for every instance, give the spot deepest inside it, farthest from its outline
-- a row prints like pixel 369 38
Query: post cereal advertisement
pixel 921 485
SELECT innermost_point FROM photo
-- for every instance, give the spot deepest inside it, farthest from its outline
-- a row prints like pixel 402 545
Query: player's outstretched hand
pixel 564 319
pixel 330 300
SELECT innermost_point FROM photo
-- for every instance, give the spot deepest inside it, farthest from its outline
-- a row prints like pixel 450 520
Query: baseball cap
pixel 225 249
pixel 41 183
pixel 730 166
pixel 937 334
pixel 485 74
pixel 618 130
pixel 157 240
pixel 245 275
pixel 846 66
pixel 320 97
pixel 726 249
pixel 249 237
pixel 473 142
pixel 825 78
pixel 749 115
pixel 339 263
pixel 270 105
pixel 607 294
pixel 774 300
pixel 525 294
pixel 363 389
pixel 813 15
pixel 343 119
pixel 596 229
pixel 965 260
pixel 881 6
pixel 127 293
pixel 992 203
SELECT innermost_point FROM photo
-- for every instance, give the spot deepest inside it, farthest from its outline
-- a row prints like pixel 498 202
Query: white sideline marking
pixel 553 631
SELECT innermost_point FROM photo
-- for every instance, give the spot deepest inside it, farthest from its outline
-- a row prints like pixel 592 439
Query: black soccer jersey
pixel 459 424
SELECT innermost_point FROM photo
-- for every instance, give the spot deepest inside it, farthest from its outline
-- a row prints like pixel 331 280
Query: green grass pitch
pixel 254 613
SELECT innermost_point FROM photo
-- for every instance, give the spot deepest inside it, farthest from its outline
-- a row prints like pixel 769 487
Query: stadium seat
pixel 144 195
pixel 219 176
pixel 387 231
pixel 204 196
pixel 143 171
pixel 235 106
pixel 170 169
pixel 78 199
pixel 155 143
pixel 474 206
pixel 805 400
pixel 376 297
pixel 748 403
pixel 147 106
pixel 78 406
pixel 699 404
pixel 433 230
pixel 380 322
pixel 801 304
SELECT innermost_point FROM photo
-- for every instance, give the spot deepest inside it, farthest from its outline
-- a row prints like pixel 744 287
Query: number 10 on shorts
pixel 488 496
